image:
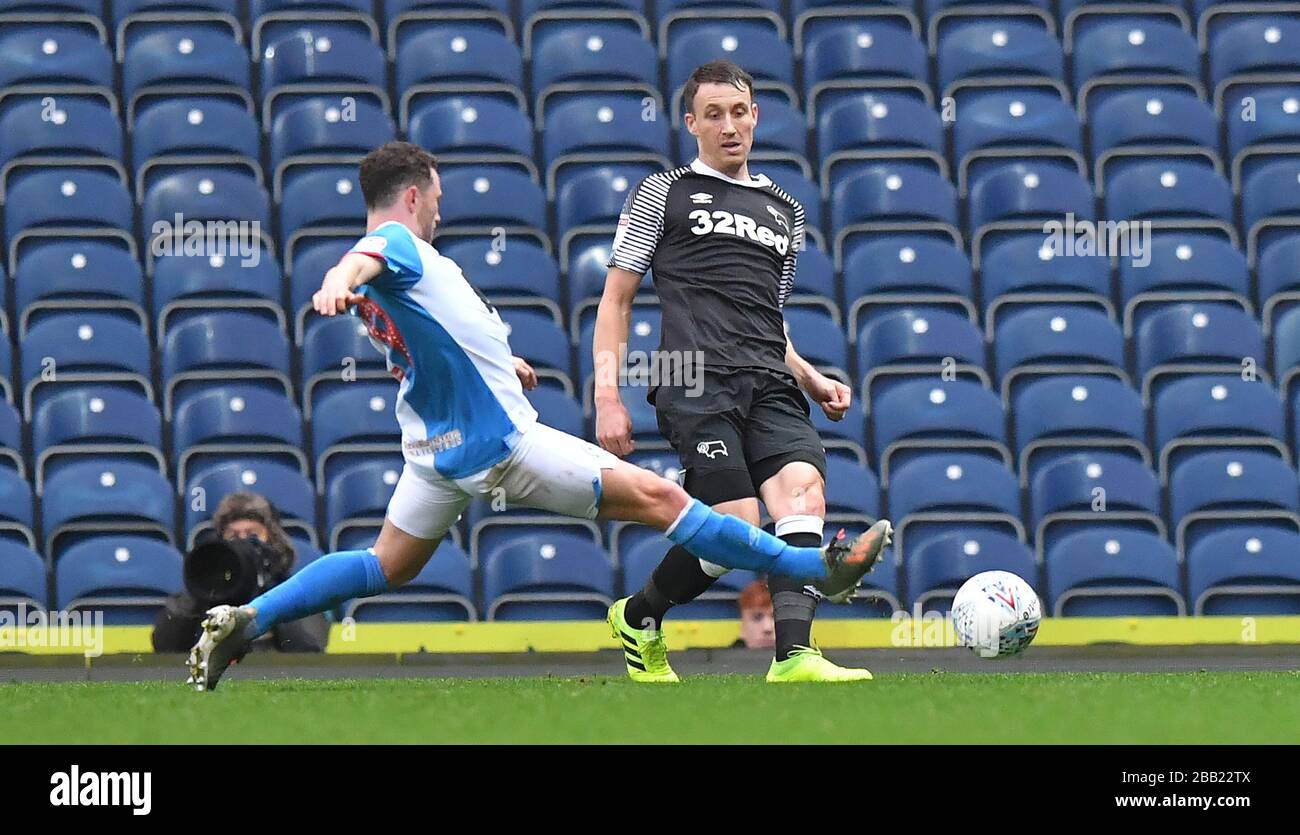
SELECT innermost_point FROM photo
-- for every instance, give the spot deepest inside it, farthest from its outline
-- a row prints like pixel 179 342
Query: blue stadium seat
pixel 815 284
pixel 66 204
pixel 65 132
pixel 1245 572
pixel 321 202
pixel 80 275
pixel 1079 490
pixel 353 422
pixel 931 494
pixel 1270 203
pixel 228 197
pixel 558 410
pixel 820 339
pixel 1286 352
pixel 356 499
pixel 763 53
pixel 83 15
pixel 55 56
pixel 855 129
pixel 852 493
pixel 1041 341
pixel 223 346
pixel 1015 53
pixel 1224 489
pixel 1058 415
pixel 407 19
pixel 318 130
pixel 442 592
pixel 997 125
pixel 188 285
pixel 845 438
pixel 335 20
pixel 125 577
pixel 1274 130
pixel 1108 572
pixel 719 602
pixel 22 579
pixel 595 55
pixel 185 60
pixel 1130 127
pixel 1112 57
pixel 602 127
pixel 183 133
pixel 318 60
pixel 1217 411
pixel 644 331
pixel 455 59
pixel 892 197
pixel 1201 338
pixel 11 439
pixel 812 18
pixel 521 274
pixel 238 419
pixel 306 271
pixel 589 201
pixel 536 338
pixel 547 576
pixel 1172 193
pixel 866 53
pixel 473 130
pixel 284 486
pixel 1243 50
pixel 937 568
pixel 887 272
pixel 132 19
pixel 337 352
pixel 475 202
pixel 539 16
pixel 1023 196
pixel 97 420
pixel 17 515
pixel 1181 267
pixel 917 343
pixel 918 416
pixel 79 348
pixel 91 498
pixel 1024 270
pixel 683 16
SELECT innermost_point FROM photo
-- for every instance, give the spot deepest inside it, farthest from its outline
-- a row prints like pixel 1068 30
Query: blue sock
pixel 327 582
pixel 734 543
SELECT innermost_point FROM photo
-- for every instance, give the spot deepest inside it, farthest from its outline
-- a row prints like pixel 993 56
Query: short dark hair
pixel 720 71
pixel 391 168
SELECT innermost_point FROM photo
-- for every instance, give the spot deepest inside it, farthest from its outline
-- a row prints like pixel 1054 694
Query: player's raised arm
pixel 338 291
pixel 613 316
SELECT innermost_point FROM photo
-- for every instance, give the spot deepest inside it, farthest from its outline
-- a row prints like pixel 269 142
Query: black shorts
pixel 737 430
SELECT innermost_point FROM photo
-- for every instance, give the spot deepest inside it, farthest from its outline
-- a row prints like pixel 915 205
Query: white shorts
pixel 548 469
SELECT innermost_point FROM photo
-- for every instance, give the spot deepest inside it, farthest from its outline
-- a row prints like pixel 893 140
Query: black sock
pixel 678 579
pixel 793 604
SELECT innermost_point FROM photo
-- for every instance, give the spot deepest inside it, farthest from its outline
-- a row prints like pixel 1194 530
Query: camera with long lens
pixel 229 571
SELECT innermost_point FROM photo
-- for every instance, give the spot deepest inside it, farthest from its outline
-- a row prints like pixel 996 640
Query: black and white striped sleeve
pixel 640 226
pixel 792 256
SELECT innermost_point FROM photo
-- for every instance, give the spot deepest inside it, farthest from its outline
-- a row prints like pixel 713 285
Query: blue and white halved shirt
pixel 459 399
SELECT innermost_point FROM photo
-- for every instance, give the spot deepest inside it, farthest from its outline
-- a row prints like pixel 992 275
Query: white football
pixel 996 614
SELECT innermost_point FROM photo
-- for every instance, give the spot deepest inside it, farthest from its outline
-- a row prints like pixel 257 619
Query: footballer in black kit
pixel 722 245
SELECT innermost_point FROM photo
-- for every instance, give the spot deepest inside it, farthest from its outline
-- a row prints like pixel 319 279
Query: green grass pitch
pixel 917 708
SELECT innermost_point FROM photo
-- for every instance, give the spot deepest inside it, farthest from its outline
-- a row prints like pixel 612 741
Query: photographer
pixel 247 553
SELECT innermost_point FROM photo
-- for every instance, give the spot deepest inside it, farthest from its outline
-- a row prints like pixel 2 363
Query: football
pixel 996 614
